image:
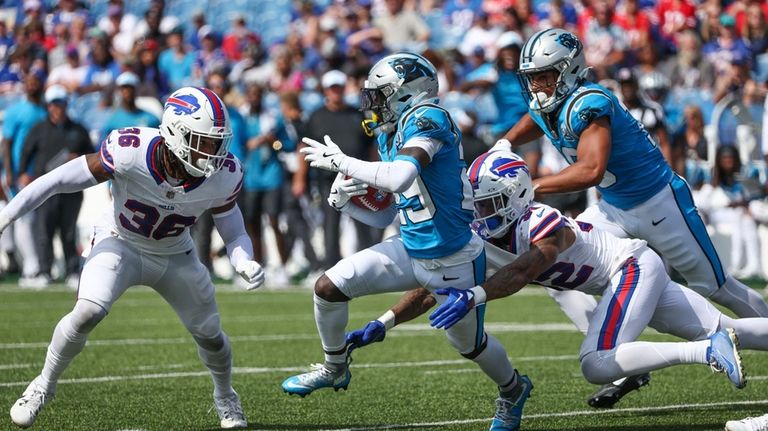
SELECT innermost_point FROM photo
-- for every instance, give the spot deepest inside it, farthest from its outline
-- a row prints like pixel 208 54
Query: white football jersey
pixel 587 265
pixel 146 209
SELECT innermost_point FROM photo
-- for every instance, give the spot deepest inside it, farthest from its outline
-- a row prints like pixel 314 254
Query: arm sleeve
pixel 377 219
pixel 395 176
pixel 232 230
pixel 70 177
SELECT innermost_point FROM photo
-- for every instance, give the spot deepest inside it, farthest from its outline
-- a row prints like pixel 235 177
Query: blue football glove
pixel 454 308
pixel 373 332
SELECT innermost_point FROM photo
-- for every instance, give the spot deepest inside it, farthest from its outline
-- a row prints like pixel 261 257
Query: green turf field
pixel 140 370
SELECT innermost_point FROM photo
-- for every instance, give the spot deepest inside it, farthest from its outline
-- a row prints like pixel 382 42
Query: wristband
pixel 479 293
pixel 388 319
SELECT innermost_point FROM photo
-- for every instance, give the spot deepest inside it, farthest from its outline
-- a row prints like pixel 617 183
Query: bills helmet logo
pixel 508 167
pixel 183 104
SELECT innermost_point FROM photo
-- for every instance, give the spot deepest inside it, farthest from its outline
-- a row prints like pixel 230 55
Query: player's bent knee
pixel 207 329
pixel 86 315
pixel 596 370
pixel 325 289
pixel 475 352
pixel 213 344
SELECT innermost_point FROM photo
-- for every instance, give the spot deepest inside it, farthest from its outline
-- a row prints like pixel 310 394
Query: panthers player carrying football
pixel 422 163
pixel 641 196
pixel 162 180
pixel 527 242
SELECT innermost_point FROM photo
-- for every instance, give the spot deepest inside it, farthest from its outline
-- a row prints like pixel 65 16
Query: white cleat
pixel 25 410
pixel 749 424
pixel 230 412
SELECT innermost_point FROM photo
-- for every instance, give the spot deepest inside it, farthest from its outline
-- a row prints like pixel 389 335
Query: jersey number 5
pixel 145 218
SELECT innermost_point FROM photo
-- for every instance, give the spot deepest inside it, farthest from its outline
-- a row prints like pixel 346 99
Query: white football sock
pixel 219 363
pixel 331 319
pixel 68 340
pixel 628 359
pixel 495 364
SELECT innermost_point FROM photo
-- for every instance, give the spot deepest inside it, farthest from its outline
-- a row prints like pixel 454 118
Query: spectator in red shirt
pixel 635 22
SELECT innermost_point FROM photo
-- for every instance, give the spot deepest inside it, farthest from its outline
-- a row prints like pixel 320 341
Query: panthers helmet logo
pixel 569 41
pixel 410 69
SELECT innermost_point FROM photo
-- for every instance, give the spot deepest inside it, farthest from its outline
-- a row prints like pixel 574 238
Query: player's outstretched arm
pixel 395 176
pixel 505 282
pixel 229 222
pixel 73 176
pixel 524 131
pixel 411 305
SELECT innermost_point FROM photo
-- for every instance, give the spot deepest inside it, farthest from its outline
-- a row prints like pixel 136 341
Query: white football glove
pixel 326 156
pixel 251 272
pixel 501 145
pixel 343 189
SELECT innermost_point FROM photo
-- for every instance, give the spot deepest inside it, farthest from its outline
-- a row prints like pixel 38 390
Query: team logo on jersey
pixel 588 114
pixel 182 104
pixel 170 194
pixel 426 123
pixel 508 167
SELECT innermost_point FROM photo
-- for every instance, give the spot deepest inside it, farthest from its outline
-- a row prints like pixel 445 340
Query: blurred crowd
pixel 695 73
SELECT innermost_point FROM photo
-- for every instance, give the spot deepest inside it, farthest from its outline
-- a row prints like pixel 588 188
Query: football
pixel 374 200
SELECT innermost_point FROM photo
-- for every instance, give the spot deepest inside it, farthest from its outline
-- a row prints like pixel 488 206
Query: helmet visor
pixel 208 152
pixel 489 221
pixel 375 100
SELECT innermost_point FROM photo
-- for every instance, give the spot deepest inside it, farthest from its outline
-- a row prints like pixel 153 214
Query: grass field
pixel 140 370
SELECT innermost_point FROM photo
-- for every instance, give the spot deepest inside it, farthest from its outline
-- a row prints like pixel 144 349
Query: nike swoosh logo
pixel 327 155
pixel 655 222
pixel 334 192
pixel 449 278
pixel 292 385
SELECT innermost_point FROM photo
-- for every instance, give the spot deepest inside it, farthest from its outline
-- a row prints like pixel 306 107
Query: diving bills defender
pixel 533 243
pixel 422 162
pixel 162 180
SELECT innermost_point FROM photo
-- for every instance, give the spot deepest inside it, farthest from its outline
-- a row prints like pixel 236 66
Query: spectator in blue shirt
pixel 175 62
pixel 127 114
pixel 19 119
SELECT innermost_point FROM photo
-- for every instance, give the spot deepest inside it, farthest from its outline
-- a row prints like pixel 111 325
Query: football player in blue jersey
pixel 606 147
pixel 422 163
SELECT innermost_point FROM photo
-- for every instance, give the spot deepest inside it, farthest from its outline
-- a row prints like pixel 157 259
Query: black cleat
pixel 610 394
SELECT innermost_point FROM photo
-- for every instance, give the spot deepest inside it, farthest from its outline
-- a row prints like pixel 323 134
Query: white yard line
pixel 263 370
pixel 402 330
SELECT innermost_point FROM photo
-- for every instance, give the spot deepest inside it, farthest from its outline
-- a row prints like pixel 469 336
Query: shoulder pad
pixel 585 107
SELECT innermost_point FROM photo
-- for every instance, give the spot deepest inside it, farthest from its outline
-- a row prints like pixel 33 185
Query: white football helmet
pixel 192 115
pixel 396 83
pixel 502 190
pixel 553 49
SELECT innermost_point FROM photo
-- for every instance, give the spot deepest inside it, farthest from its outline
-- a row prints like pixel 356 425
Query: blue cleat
pixel 724 357
pixel 509 411
pixel 320 377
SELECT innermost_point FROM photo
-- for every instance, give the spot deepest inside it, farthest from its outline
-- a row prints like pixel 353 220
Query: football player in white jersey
pixel 422 164
pixel 162 180
pixel 641 196
pixel 528 242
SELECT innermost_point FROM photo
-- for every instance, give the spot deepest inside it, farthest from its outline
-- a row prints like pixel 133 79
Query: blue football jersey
pixel 436 210
pixel 636 168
